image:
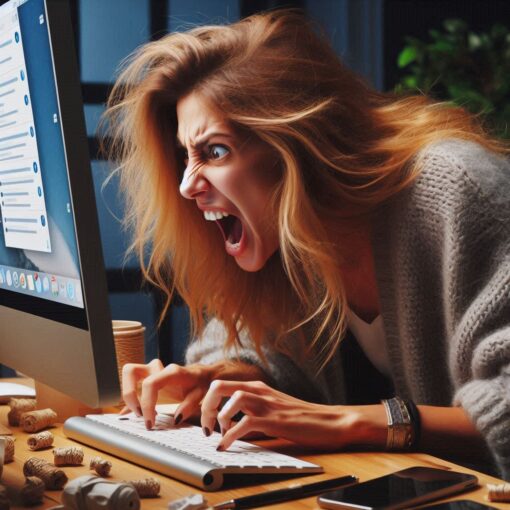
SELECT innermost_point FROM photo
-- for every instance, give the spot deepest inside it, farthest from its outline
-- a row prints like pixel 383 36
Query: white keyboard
pixel 181 452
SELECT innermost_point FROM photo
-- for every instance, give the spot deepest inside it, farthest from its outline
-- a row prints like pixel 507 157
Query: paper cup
pixel 129 343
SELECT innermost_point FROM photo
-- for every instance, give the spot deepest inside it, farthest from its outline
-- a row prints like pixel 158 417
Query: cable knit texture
pixel 442 252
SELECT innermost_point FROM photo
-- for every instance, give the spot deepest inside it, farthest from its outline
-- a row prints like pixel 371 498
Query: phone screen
pixel 398 490
pixel 462 504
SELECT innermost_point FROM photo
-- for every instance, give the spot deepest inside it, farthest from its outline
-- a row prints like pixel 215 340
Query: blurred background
pixel 456 50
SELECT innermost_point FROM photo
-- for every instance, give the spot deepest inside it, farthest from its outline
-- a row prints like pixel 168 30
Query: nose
pixel 193 184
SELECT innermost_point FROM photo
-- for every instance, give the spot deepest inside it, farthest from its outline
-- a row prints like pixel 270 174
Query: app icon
pixel 46 284
pixel 8 278
pixel 15 278
pixel 30 281
pixel 79 297
pixel 38 284
pixel 70 290
pixel 62 289
pixel 54 286
pixel 23 281
pixel 2 276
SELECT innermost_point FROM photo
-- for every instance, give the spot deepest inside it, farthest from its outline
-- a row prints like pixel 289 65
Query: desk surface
pixel 363 465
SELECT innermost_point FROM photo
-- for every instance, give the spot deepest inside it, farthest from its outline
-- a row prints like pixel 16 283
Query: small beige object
pixel 18 407
pixel 101 466
pixel 146 487
pixel 9 449
pixel 33 491
pixel 52 477
pixel 4 500
pixel 40 440
pixel 34 421
pixel 68 456
pixel 499 492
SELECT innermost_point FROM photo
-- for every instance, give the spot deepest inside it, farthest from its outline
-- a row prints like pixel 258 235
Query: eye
pixel 217 151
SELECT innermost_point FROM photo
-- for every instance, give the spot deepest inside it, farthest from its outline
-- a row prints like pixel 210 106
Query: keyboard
pixel 182 452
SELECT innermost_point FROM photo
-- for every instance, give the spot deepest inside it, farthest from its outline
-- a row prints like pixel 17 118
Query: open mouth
pixel 232 229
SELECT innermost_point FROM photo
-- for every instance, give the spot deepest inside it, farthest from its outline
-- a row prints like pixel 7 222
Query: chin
pixel 251 264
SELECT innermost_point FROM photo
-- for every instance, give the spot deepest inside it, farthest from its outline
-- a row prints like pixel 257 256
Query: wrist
pixel 370 426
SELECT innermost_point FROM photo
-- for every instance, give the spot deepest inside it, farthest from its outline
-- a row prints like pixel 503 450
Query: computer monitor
pixel 55 323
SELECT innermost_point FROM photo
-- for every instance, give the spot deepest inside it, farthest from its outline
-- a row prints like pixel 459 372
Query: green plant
pixel 471 69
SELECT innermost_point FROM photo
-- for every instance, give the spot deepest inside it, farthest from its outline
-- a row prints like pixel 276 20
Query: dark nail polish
pixel 207 432
pixel 178 419
pixel 220 448
pixel 148 424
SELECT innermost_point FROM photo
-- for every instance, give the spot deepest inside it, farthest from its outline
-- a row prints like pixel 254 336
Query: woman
pixel 285 200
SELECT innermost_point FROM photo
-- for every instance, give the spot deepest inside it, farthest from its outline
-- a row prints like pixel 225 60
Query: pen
pixel 287 494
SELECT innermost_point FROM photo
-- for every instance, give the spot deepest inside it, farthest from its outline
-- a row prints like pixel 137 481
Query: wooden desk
pixel 363 465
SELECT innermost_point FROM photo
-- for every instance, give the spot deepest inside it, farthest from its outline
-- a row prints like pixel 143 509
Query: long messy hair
pixel 342 148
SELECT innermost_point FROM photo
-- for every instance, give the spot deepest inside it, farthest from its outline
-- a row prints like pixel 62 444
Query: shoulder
pixel 460 169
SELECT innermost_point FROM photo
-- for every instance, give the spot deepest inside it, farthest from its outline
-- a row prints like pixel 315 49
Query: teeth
pixel 214 215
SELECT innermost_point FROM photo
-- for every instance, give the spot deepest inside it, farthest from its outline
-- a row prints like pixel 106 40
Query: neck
pixel 358 274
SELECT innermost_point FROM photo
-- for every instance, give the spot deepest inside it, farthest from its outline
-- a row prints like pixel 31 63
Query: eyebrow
pixel 199 142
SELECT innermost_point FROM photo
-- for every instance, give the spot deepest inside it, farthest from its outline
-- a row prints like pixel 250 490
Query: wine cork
pixel 499 492
pixel 68 456
pixel 18 407
pixel 52 477
pixel 9 449
pixel 4 500
pixel 33 491
pixel 146 487
pixel 101 466
pixel 34 421
pixel 40 440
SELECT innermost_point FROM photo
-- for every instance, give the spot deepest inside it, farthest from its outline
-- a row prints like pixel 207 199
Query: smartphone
pixel 409 487
pixel 459 504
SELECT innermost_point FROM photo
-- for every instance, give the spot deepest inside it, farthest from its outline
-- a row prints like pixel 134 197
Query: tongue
pixel 236 232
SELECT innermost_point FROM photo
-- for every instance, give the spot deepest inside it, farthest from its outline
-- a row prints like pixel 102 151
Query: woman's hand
pixel 187 384
pixel 276 414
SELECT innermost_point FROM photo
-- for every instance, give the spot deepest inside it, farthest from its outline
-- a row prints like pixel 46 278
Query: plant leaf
pixel 407 55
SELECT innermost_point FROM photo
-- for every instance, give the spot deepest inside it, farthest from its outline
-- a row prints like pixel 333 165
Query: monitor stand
pixel 63 405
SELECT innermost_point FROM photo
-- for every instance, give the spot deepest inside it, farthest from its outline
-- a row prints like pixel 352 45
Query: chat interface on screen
pixel 38 246
pixel 22 198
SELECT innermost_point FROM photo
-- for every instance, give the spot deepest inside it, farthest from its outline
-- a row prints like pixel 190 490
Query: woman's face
pixel 231 176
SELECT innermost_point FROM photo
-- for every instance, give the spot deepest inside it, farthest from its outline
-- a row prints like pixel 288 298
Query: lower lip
pixel 236 250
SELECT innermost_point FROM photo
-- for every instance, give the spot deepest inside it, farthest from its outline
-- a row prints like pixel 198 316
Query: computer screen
pixel 54 316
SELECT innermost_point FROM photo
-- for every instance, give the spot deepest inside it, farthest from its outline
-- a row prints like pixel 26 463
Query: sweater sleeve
pixel 283 371
pixel 477 288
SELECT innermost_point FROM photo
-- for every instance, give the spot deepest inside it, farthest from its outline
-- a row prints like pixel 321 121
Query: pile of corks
pixel 41 474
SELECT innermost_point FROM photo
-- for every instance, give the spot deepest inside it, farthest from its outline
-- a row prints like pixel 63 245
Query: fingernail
pixel 139 411
pixel 148 424
pixel 178 419
pixel 220 448
pixel 207 432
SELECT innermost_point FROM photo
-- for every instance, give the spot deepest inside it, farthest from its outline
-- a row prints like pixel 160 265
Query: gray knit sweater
pixel 442 251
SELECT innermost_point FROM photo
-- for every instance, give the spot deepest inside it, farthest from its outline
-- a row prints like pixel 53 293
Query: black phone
pixel 459 504
pixel 403 489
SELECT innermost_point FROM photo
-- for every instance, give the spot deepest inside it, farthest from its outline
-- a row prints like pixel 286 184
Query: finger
pixel 220 389
pixel 124 410
pixel 170 375
pixel 131 374
pixel 189 406
pixel 246 425
pixel 240 401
